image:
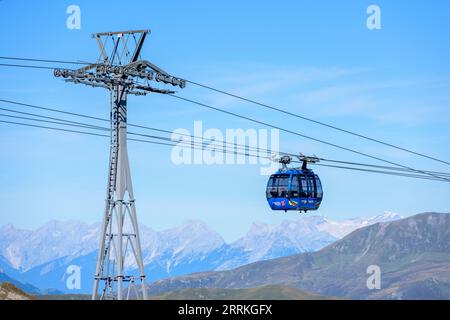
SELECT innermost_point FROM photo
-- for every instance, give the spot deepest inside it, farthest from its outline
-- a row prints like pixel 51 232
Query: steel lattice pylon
pixel 122 72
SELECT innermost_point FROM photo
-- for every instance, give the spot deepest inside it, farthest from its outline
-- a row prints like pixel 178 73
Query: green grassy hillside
pixel 413 255
pixel 258 293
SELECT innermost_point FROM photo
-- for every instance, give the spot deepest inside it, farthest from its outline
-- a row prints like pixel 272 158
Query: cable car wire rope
pixel 424 177
pixel 194 137
pixel 252 101
pixel 249 119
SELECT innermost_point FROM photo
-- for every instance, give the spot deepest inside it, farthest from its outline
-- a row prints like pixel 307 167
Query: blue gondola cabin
pixel 294 189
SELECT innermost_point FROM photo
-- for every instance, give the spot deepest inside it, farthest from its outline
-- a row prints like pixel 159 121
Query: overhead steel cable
pixel 238 146
pixel 376 171
pixel 381 167
pixel 415 176
pixel 88 126
pixel 203 144
pixel 244 147
pixel 53 128
pixel 24 66
pixel 53 110
pixel 192 144
pixel 59 120
pixel 278 109
pixel 234 114
pixel 203 147
pixel 65 123
pixel 78 132
pixel 169 142
pixel 300 134
pixel 45 60
pixel 128 124
pixel 317 122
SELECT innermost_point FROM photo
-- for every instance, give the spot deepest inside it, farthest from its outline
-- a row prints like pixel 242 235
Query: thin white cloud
pixel 332 92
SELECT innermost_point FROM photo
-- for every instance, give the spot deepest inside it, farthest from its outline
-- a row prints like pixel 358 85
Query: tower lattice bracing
pixel 120 269
pixel 118 237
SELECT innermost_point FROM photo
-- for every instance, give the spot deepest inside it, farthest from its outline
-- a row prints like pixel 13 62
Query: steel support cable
pixel 24 66
pixel 381 167
pixel 378 171
pixel 301 135
pixel 196 137
pixel 292 132
pixel 44 60
pixel 250 101
pixel 317 122
pixel 59 120
pixel 173 143
pixel 234 152
pixel 190 145
pixel 128 124
pixel 87 126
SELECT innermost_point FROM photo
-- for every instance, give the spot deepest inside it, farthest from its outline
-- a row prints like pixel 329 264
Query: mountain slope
pixel 413 254
pixel 10 292
pixel 25 249
pixel 41 257
pixel 7 268
pixel 309 234
pixel 4 278
pixel 265 241
pixel 188 248
pixel 53 275
pixel 259 293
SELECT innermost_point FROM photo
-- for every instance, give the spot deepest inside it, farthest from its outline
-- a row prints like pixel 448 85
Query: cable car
pixel 294 188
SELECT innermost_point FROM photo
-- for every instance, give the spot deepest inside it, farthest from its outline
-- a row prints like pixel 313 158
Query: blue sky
pixel 313 58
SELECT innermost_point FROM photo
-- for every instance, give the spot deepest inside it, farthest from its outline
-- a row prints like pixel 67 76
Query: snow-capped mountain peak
pixel 190 247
